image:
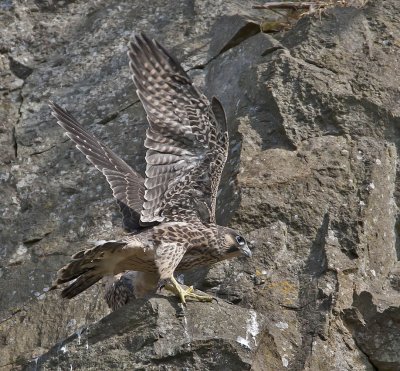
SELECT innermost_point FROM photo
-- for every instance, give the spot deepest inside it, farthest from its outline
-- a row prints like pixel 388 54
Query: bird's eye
pixel 240 240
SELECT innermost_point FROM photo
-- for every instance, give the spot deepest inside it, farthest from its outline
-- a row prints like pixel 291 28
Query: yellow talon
pixel 177 289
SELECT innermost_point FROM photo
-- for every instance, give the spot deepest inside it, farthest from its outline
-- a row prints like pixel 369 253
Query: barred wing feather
pixel 186 146
pixel 127 185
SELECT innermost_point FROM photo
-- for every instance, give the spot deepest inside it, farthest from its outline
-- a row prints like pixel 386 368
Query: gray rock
pixel 148 334
pixel 311 180
pixel 375 326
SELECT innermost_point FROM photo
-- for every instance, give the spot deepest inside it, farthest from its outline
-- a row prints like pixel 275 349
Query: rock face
pixel 314 122
pixel 149 334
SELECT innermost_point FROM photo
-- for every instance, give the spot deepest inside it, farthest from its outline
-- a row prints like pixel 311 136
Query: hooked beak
pixel 246 251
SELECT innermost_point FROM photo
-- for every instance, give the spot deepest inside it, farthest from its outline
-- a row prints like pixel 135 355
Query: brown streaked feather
pixel 127 185
pixel 108 258
pixel 119 291
pixel 186 141
pixel 124 287
pixel 173 241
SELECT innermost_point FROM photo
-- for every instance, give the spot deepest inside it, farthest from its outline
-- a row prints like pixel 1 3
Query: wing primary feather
pixel 128 188
pixel 80 285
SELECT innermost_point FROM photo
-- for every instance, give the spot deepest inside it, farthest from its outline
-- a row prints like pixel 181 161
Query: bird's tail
pixel 86 268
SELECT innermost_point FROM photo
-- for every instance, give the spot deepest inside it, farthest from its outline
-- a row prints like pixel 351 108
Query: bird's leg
pixel 177 289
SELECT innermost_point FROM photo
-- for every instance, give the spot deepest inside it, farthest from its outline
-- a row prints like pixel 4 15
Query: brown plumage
pixel 172 210
pixel 123 287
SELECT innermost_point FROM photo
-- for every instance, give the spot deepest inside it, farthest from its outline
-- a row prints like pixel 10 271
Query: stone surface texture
pixel 312 181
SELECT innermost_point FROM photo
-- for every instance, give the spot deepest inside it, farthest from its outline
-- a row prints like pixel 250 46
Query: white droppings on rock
pixel 186 331
pixel 285 361
pixel 254 327
pixel 19 255
pixel 371 186
pixel 21 250
pixel 243 342
pixel 378 161
pixel 252 330
pixel 373 272
pixel 79 334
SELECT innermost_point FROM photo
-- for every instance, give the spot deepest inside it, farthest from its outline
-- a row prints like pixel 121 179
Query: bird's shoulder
pixel 182 231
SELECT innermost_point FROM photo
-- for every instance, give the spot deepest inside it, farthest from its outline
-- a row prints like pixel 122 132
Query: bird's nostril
pixel 246 251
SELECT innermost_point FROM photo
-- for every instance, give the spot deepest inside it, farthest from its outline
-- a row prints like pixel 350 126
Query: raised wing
pixel 187 146
pixel 127 185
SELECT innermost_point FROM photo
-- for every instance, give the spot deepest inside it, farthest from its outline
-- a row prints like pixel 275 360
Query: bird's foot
pixel 177 289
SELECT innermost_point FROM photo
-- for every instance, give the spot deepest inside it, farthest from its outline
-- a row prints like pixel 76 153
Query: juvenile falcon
pixel 170 213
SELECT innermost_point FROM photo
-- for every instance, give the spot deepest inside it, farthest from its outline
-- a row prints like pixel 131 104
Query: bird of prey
pixel 171 212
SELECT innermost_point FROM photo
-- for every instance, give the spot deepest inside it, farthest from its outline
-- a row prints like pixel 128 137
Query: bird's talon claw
pixel 188 293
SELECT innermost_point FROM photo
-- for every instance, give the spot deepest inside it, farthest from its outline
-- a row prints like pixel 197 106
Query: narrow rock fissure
pixel 15 143
pixel 241 36
pixel 311 315
pixel 113 115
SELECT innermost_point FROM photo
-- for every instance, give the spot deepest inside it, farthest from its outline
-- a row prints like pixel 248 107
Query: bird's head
pixel 233 244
